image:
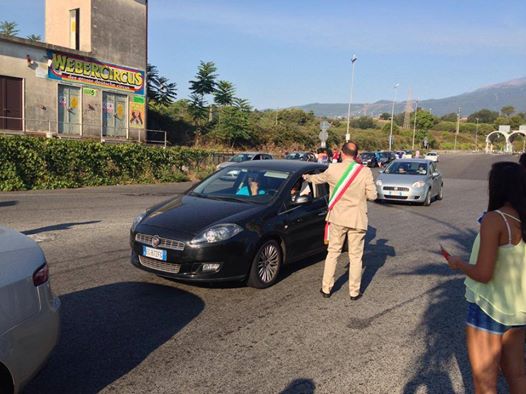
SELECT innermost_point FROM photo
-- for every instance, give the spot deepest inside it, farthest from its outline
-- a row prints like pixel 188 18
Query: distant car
pixel 410 180
pixel 432 156
pixel 369 159
pixel 246 230
pixel 400 154
pixel 408 154
pixel 245 156
pixel 384 158
pixel 303 156
pixel 29 311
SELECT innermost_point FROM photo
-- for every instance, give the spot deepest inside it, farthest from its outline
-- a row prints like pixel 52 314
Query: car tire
pixel 266 265
pixel 440 195
pixel 427 201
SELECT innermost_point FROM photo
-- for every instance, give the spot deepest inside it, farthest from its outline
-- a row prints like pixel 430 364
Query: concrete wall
pixel 39 93
pixel 119 33
pixel 57 23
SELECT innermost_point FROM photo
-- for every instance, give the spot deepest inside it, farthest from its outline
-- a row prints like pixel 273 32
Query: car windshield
pixel 431 154
pixel 242 157
pixel 407 168
pixel 367 155
pixel 384 154
pixel 257 185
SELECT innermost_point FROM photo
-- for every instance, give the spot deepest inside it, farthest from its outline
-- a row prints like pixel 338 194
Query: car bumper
pixel 32 341
pixel 233 258
pixel 401 193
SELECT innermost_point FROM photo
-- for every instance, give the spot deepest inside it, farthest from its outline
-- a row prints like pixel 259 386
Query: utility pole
pixel 458 128
pixel 392 116
pixel 414 126
pixel 476 135
pixel 347 134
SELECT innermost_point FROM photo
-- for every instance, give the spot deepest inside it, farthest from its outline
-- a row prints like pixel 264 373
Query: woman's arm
pixel 482 271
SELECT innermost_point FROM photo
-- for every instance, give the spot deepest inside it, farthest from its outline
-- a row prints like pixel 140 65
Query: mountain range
pixel 492 97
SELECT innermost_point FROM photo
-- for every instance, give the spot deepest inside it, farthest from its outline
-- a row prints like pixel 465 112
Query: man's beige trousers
pixel 355 241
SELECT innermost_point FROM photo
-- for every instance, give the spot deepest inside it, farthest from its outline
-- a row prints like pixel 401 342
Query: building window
pixel 74 28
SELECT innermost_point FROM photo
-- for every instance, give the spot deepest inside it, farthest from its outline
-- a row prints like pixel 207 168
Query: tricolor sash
pixel 341 187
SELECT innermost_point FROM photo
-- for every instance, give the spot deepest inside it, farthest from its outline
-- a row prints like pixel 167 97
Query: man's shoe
pixel 325 295
pixel 356 297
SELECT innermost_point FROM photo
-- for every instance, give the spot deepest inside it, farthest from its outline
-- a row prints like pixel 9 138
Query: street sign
pixel 324 126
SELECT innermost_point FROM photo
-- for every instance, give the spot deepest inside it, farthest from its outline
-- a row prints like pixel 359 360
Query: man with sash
pixel 351 185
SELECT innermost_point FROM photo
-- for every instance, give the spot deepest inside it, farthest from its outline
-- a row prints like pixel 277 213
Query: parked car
pixel 245 156
pixel 240 234
pixel 432 156
pixel 29 311
pixel 369 159
pixel 384 158
pixel 410 180
pixel 400 154
pixel 408 154
pixel 304 156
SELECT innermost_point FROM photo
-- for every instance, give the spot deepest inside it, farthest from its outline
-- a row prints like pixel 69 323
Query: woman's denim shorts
pixel 478 319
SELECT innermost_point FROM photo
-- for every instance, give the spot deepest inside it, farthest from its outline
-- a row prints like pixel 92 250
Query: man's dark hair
pixel 350 149
pixel 522 160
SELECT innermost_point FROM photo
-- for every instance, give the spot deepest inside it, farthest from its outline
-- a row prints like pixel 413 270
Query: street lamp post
pixel 458 129
pixel 348 135
pixel 476 135
pixel 392 116
pixel 414 126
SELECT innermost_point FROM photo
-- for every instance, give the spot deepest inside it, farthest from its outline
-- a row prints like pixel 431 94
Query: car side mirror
pixel 301 200
pixel 381 171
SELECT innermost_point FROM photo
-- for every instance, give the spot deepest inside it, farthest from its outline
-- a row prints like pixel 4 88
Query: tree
pixel 205 79
pixel 385 116
pixel 363 122
pixel 242 104
pixel 451 117
pixel 484 116
pixel 198 111
pixel 160 90
pixel 424 120
pixel 232 126
pixel 8 29
pixel 507 110
pixel 224 93
pixel 34 37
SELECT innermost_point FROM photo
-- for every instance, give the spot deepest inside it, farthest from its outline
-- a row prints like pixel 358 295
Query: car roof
pixel 412 161
pixel 283 165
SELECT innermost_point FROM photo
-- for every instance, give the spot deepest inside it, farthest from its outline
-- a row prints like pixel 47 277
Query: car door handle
pixel 322 213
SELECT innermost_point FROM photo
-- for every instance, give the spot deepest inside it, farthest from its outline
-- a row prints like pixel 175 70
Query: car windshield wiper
pixel 229 198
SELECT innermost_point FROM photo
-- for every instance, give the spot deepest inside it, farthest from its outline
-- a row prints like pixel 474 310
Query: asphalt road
pixel 127 331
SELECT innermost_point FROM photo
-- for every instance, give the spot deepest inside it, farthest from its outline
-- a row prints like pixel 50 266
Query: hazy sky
pixel 282 53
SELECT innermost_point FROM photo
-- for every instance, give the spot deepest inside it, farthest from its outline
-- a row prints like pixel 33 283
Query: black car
pixel 369 159
pixel 304 156
pixel 385 158
pixel 243 228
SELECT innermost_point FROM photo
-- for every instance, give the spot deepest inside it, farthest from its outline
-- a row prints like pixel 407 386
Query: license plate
pixel 158 254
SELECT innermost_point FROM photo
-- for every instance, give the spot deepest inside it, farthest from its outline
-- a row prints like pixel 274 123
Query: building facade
pixel 87 80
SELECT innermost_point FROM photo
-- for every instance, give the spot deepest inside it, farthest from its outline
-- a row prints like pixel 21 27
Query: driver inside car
pixel 252 186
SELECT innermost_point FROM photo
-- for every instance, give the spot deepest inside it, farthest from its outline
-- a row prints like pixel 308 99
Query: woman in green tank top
pixel 496 284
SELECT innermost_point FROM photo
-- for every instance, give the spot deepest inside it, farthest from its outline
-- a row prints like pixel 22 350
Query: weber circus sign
pixel 65 67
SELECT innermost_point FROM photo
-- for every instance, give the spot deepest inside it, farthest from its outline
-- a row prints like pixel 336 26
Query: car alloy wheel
pixel 441 193
pixel 427 201
pixel 266 265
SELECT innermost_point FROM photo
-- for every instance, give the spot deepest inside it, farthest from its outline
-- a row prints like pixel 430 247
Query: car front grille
pixel 396 197
pixel 397 188
pixel 164 243
pixel 160 265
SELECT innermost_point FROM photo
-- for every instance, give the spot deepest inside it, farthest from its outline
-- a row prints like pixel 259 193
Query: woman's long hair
pixel 507 184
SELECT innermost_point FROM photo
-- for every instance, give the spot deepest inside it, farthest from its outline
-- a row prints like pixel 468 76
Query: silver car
pixel 410 180
pixel 29 311
pixel 245 156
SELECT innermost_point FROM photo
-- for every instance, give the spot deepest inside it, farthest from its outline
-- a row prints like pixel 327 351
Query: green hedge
pixel 37 163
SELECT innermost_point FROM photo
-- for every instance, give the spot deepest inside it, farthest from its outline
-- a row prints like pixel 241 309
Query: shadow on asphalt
pixel 300 386
pixel 109 330
pixel 8 203
pixel 443 325
pixel 374 257
pixel 57 227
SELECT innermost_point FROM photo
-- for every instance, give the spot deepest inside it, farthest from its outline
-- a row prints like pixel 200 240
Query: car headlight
pixel 217 233
pixel 418 184
pixel 137 220
pixel 379 182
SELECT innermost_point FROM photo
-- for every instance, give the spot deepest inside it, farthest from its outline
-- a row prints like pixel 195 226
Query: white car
pixel 29 311
pixel 432 156
pixel 245 156
pixel 408 154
